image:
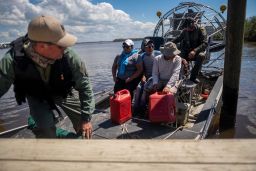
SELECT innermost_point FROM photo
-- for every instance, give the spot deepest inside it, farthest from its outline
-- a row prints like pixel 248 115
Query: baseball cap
pixel 48 29
pixel 147 42
pixel 128 42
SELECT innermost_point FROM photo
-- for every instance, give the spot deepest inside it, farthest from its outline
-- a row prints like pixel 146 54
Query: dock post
pixel 232 64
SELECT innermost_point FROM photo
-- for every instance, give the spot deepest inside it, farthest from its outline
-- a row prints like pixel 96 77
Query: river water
pixel 99 58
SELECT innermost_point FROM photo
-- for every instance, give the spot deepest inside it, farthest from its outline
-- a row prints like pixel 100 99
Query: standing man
pixel 44 71
pixel 127 68
pixel 193 43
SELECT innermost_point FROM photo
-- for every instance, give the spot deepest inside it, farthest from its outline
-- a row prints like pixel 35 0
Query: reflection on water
pixel 246 109
pixel 99 58
pixel 245 126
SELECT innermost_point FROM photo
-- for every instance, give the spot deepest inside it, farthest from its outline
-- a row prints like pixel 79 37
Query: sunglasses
pixel 124 46
pixel 149 46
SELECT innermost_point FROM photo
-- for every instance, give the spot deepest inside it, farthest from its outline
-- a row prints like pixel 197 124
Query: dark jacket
pixel 29 82
pixel 192 40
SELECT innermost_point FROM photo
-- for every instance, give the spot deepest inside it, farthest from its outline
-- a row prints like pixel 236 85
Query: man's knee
pixel 202 56
pixel 185 66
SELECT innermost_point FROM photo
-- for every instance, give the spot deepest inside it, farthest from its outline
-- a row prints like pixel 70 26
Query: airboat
pixel 197 115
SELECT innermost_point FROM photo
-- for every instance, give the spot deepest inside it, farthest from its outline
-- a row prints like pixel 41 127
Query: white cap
pixel 128 42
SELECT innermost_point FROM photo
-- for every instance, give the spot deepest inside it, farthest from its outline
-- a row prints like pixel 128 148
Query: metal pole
pixel 232 65
pixel 163 28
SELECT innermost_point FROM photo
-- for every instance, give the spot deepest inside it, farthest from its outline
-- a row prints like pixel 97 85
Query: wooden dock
pixel 32 154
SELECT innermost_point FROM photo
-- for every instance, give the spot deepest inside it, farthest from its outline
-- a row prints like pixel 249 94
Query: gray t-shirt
pixel 148 60
pixel 130 68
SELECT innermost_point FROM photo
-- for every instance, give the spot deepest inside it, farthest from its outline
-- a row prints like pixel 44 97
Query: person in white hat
pixel 127 68
pixel 43 69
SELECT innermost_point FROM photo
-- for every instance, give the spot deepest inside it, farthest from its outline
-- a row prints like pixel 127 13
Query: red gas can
pixel 120 106
pixel 162 107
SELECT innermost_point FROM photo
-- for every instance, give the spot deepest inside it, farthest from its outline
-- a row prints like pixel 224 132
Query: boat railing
pixel 213 111
pixel 5 45
pixel 100 97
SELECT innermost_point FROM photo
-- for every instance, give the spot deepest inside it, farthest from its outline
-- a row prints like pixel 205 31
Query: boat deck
pixel 137 128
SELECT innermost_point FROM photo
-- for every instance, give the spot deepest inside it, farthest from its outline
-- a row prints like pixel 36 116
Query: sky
pixel 94 20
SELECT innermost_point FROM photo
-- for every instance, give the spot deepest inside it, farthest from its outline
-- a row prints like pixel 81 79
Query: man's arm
pixel 155 72
pixel 6 73
pixel 203 39
pixel 83 86
pixel 175 73
pixel 114 68
pixel 139 69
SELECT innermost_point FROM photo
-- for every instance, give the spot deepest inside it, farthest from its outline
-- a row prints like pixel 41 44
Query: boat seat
pixel 186 91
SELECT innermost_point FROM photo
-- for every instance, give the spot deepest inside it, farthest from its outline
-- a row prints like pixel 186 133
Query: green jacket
pixel 192 40
pixel 79 77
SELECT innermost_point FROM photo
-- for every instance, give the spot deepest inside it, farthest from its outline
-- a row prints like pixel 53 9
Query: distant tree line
pixel 250 29
pixel 122 39
pixel 218 36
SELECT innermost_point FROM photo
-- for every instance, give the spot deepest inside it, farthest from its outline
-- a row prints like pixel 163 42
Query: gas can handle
pixel 112 95
pixel 124 91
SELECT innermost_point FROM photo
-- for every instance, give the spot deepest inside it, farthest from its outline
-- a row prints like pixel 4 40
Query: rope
pixel 172 133
pixel 125 130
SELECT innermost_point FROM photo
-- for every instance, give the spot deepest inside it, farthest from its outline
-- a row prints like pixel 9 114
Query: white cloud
pixel 89 22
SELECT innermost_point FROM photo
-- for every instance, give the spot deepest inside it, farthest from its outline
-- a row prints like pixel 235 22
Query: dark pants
pixel 131 86
pixel 43 115
pixel 198 58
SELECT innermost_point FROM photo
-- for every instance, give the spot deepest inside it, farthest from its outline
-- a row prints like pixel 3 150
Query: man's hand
pixel 114 79
pixel 143 80
pixel 154 88
pixel 167 90
pixel 86 128
pixel 128 80
pixel 191 54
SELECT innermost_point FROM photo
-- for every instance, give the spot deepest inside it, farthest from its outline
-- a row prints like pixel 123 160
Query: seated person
pixel 148 54
pixel 127 68
pixel 166 69
pixel 193 43
pixel 165 72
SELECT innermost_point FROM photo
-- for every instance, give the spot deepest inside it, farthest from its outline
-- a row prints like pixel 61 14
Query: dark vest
pixel 28 80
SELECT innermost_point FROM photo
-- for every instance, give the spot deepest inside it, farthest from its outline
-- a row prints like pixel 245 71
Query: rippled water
pixel 99 58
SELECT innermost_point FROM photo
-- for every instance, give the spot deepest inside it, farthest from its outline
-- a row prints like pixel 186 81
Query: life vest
pixel 29 82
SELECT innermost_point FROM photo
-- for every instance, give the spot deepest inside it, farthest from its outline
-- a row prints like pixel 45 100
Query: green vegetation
pixel 218 36
pixel 250 29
